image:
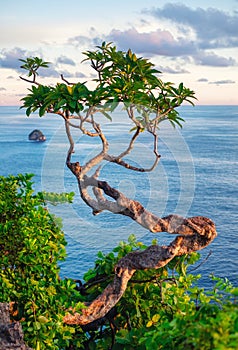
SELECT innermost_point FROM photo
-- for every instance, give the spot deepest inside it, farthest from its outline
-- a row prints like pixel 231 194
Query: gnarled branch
pixel 194 233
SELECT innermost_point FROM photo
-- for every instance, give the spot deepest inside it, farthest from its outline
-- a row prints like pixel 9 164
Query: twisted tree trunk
pixel 194 233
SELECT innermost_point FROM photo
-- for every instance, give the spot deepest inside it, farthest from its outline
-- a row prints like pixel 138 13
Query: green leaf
pixel 42 111
pixel 106 115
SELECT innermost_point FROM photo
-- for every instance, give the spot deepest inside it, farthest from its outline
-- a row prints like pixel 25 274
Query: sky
pixel 194 42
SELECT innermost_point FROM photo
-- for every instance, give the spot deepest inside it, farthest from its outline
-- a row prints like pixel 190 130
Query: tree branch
pixel 33 81
pixel 131 145
pixel 194 233
pixel 99 157
pixel 119 161
pixel 132 167
pixel 67 82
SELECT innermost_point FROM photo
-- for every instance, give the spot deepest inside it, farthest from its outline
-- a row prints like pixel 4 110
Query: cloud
pixel 65 60
pixel 80 40
pixel 10 59
pixel 202 80
pixel 197 31
pixel 79 75
pixel 214 28
pixel 159 42
pixel 193 33
pixel 3 89
pixel 222 82
pixel 211 59
pixel 162 42
pixel 170 70
pixel 49 72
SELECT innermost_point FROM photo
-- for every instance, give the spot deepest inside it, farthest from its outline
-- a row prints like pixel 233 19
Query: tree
pixel 123 80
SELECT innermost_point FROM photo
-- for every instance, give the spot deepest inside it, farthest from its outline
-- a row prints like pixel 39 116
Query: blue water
pixel 197 175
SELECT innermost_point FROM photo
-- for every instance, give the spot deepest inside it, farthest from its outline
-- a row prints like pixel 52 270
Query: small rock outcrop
pixel 11 334
pixel 37 135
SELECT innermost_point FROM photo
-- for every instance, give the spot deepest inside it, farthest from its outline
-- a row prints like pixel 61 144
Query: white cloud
pixel 212 59
pixel 172 70
pixel 202 80
pixel 222 82
pixel 79 40
pixel 65 60
pixel 213 27
pixel 10 58
pixel 159 42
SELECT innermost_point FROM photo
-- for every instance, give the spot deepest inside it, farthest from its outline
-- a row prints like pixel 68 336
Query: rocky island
pixel 37 135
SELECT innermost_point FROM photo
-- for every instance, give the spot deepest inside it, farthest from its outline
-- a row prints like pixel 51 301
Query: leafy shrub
pixel 165 308
pixel 31 244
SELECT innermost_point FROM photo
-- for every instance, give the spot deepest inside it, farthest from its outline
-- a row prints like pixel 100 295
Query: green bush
pixel 161 309
pixel 32 244
pixel 166 309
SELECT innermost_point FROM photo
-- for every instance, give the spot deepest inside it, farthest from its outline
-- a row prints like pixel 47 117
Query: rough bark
pixel 11 334
pixel 194 233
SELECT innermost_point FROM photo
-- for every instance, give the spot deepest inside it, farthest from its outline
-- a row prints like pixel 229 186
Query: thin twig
pixel 203 262
pixel 67 82
pixel 33 81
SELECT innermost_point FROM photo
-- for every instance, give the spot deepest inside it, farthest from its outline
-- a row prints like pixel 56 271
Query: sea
pixel 197 175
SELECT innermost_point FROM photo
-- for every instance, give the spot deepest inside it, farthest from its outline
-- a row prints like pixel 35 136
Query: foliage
pixel 33 64
pixel 183 317
pixel 166 308
pixel 161 309
pixel 121 77
pixel 31 245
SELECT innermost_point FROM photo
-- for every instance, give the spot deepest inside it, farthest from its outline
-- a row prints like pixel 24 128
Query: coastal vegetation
pixel 160 309
pixel 135 296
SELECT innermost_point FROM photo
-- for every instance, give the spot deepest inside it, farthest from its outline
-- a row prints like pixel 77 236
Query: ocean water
pixel 197 175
